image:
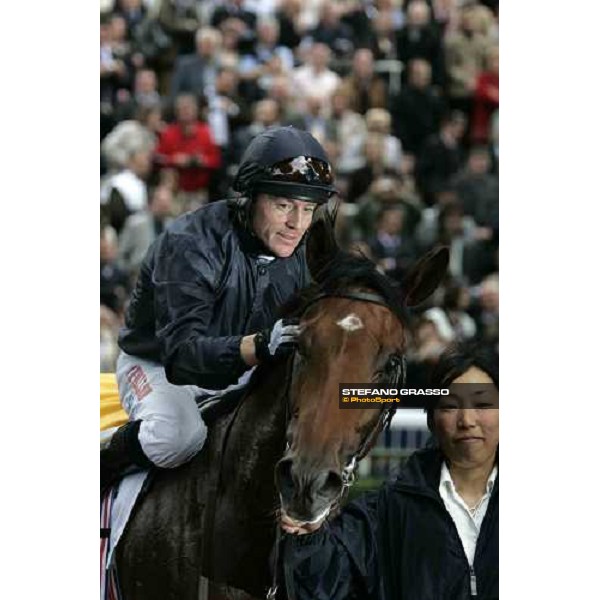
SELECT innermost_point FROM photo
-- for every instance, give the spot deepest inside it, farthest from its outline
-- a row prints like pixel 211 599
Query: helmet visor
pixel 302 169
pixel 302 177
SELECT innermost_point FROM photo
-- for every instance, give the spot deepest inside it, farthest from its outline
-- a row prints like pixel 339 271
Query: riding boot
pixel 122 453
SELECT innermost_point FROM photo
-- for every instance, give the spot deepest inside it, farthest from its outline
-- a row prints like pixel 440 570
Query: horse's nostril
pixel 283 477
pixel 331 486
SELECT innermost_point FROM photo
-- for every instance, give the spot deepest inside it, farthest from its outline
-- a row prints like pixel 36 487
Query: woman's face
pixel 468 437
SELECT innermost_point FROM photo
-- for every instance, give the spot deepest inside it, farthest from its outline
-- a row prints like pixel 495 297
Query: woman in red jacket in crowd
pixel 188 146
pixel 486 98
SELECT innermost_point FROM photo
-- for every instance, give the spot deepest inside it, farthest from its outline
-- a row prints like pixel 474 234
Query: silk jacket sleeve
pixel 184 295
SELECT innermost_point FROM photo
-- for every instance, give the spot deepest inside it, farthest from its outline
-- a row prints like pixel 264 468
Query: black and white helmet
pixel 288 162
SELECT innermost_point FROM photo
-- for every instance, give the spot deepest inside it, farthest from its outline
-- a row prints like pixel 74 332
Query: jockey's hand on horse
pixel 277 341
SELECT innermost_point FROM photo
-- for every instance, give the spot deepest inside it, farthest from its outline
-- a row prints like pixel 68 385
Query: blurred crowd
pixel 403 94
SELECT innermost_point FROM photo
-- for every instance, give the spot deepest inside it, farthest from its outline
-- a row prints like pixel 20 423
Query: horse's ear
pixel 321 247
pixel 424 277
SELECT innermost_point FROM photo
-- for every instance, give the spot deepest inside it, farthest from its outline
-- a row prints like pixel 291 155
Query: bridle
pixel 393 374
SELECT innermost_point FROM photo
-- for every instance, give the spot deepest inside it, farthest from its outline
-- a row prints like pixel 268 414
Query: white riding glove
pixel 277 341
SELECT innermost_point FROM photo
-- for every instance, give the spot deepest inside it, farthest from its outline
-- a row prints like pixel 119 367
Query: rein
pixel 394 374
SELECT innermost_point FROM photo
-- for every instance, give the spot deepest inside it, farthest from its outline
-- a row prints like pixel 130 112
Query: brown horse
pixel 215 518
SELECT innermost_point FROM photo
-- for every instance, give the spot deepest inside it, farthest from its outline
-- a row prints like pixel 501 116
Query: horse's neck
pixel 257 437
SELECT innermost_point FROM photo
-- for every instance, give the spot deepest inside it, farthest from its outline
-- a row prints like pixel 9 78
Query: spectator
pixel 419 38
pixel 227 109
pixel 470 257
pixel 227 112
pixel 121 46
pixel 181 19
pixel 440 157
pixel 128 151
pixel 114 283
pixel 486 98
pixel 350 134
pixel 432 337
pixel 357 15
pixel 418 111
pixel 145 94
pixel 452 317
pixel 188 146
pixel 379 122
pixel 262 8
pixel 360 180
pixel 428 229
pixel 113 70
pixel 150 116
pixel 487 310
pixel 197 73
pixel 256 68
pixel 410 193
pixel 387 190
pixel 391 249
pixel 280 90
pixel 383 39
pixel 465 52
pixel 133 13
pixel 315 122
pixel 446 15
pixel 477 189
pixel 392 7
pixel 309 14
pixel 142 228
pixel 155 46
pixel 366 89
pixel 332 32
pixel 485 23
pixel 232 14
pixel 231 42
pixel 266 114
pixel 315 78
pixel 290 29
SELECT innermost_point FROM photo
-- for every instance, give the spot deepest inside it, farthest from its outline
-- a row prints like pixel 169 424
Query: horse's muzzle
pixel 306 492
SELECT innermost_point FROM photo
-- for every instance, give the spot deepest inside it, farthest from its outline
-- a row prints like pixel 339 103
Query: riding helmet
pixel 287 162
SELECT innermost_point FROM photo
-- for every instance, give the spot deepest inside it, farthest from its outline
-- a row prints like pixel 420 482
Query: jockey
pixel 202 314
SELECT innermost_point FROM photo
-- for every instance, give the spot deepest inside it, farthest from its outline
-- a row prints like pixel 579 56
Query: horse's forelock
pixel 348 271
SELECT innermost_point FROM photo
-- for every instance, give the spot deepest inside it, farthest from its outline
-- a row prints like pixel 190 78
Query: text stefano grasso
pixel 387 392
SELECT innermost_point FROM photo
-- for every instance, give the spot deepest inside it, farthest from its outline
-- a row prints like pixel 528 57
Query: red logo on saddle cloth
pixel 138 382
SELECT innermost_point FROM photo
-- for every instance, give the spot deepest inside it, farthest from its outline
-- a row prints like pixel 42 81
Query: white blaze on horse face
pixel 350 322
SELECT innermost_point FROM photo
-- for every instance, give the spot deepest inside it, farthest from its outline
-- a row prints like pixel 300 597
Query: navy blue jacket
pixel 399 543
pixel 201 288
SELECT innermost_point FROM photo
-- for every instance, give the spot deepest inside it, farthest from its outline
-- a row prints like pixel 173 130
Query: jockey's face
pixel 280 222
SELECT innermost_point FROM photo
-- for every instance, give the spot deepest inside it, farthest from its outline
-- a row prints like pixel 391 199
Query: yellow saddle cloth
pixel 111 413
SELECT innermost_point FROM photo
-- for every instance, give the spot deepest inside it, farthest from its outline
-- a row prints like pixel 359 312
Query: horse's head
pixel 352 331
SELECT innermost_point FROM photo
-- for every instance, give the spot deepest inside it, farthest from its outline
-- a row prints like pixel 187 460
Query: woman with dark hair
pixel 432 533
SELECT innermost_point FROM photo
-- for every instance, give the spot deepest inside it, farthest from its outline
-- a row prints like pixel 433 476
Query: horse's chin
pixel 291 520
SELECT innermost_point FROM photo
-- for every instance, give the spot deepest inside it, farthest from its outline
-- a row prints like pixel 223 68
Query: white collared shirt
pixel 467 524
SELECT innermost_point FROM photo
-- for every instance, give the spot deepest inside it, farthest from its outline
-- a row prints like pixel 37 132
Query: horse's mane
pixel 347 271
